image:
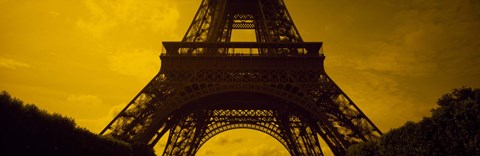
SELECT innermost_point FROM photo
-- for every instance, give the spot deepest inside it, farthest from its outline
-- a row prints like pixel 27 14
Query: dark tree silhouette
pixel 453 129
pixel 27 130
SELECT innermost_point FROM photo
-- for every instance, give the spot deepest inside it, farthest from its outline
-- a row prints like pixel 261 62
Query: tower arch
pixel 227 110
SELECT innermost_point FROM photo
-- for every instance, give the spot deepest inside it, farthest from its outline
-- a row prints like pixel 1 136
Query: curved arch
pixel 276 135
pixel 251 108
pixel 223 110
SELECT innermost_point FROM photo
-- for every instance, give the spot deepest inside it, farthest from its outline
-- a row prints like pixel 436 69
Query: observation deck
pixel 250 56
pixel 243 48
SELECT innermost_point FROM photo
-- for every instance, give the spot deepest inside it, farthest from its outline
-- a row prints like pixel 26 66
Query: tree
pixel 453 129
pixel 27 130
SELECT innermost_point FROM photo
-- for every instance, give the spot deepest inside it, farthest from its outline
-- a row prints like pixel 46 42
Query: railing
pixel 242 48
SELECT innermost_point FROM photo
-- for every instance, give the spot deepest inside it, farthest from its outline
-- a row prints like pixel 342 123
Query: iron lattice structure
pixel 208 85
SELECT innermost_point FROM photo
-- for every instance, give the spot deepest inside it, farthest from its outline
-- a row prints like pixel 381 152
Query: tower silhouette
pixel 277 85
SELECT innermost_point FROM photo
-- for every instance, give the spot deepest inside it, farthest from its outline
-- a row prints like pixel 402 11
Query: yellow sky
pixel 87 58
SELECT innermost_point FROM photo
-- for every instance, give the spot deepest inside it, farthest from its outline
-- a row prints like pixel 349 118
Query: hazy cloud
pixel 384 99
pixel 263 150
pixel 12 63
pixel 402 54
pixel 130 16
pixel 97 124
pixel 208 152
pixel 436 34
pixel 408 38
pixel 227 141
pixel 141 64
pixel 88 100
pixel 86 106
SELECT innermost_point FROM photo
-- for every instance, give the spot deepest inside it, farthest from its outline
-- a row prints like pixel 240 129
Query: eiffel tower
pixel 277 85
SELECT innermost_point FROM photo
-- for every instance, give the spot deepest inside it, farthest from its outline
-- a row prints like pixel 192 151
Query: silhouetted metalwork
pixel 277 85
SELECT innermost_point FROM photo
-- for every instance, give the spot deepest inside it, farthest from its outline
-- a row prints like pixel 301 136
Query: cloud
pixel 444 33
pixel 85 100
pixel 141 64
pixel 396 66
pixel 227 141
pixel 406 38
pixel 242 142
pixel 85 106
pixel 384 99
pixel 209 152
pixel 263 150
pixel 393 59
pixel 97 124
pixel 131 16
pixel 12 63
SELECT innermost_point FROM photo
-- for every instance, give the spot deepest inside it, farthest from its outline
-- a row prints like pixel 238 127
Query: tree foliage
pixel 27 130
pixel 453 129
